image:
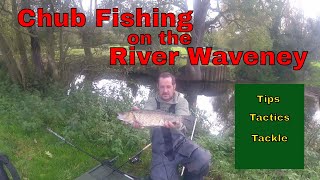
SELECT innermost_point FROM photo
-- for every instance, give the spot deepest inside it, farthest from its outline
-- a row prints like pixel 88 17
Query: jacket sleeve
pixel 182 107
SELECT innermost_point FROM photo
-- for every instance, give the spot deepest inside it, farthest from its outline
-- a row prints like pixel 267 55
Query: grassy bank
pixel 89 120
pixel 86 119
pixel 39 155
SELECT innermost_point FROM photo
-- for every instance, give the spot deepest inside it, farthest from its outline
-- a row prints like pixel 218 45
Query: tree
pixel 21 46
pixel 10 61
pixel 16 75
pixel 35 45
pixel 224 13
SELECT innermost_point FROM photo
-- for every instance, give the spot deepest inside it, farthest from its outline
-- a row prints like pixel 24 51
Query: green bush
pixel 81 114
pixel 93 117
pixel 255 73
pixel 87 116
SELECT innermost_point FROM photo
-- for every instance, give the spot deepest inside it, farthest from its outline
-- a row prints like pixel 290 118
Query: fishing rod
pixel 193 129
pixel 133 159
pixel 78 148
pixel 102 162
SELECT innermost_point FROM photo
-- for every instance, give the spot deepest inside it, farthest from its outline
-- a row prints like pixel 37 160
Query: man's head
pixel 166 86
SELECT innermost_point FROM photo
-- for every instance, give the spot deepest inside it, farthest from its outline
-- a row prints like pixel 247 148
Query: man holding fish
pixel 168 114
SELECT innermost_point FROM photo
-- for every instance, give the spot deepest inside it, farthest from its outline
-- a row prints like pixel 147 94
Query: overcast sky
pixel 311 8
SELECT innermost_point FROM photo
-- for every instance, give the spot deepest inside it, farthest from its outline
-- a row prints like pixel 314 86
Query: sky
pixel 311 8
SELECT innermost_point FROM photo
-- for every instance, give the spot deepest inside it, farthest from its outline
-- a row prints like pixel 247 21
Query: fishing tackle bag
pixel 4 162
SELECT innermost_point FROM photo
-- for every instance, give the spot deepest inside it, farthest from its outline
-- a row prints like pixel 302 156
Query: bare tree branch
pixel 235 20
pixel 213 21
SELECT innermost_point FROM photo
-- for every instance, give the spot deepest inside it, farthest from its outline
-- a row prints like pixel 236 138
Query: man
pixel 170 147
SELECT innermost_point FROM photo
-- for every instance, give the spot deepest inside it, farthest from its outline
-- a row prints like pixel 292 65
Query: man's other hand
pixel 136 125
pixel 135 108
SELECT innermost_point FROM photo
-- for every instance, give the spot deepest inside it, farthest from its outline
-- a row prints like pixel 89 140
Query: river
pixel 215 101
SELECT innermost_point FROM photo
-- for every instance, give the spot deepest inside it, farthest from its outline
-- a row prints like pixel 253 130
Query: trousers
pixel 195 159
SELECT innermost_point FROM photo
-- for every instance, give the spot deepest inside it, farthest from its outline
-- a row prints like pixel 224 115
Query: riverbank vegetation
pixel 39 67
pixel 89 121
pixel 37 56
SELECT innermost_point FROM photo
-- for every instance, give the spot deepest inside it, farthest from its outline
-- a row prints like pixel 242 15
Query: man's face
pixel 166 88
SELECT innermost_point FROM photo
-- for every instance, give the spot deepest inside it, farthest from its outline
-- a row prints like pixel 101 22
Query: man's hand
pixel 169 124
pixel 135 108
pixel 135 123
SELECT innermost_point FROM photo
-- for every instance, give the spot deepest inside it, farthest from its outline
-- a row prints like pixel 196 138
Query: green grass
pixel 182 50
pixel 316 64
pixel 85 119
pixel 105 50
pixel 314 73
pixel 28 154
pixel 77 52
pixel 97 52
pixel 23 137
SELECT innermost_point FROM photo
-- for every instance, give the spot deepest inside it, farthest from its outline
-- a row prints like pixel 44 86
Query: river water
pixel 215 101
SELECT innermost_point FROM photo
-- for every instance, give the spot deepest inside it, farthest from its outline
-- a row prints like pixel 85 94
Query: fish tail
pixel 120 116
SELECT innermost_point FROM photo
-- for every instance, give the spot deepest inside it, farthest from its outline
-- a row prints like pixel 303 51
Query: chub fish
pixel 148 118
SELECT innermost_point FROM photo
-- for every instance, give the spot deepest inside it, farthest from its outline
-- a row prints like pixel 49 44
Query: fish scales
pixel 148 118
pixel 156 118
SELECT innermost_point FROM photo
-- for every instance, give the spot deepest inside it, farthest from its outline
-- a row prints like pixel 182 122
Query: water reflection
pixel 312 110
pixel 214 100
pixel 204 103
pixel 140 93
pixel 316 116
pixel 76 84
pixel 111 87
